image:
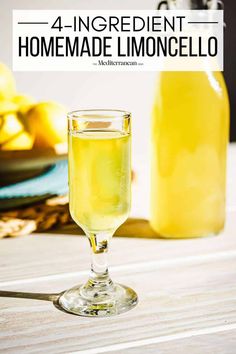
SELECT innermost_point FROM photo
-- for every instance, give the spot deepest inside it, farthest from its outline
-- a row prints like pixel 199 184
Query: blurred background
pixel 132 91
pixel 129 91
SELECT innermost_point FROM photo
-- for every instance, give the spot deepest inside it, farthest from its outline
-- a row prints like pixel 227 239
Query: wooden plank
pixel 218 342
pixel 180 298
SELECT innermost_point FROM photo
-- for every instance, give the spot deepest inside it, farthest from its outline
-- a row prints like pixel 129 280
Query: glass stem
pixel 99 263
pixel 99 276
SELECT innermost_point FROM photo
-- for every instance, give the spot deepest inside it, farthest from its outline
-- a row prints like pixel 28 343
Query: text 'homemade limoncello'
pixel 99 178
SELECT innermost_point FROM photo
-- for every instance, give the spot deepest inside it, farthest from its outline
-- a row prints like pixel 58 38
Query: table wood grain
pixel 186 288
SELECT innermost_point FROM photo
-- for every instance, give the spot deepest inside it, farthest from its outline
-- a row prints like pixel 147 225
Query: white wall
pixel 129 91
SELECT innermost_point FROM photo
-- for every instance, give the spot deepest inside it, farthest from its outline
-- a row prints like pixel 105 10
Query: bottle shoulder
pixel 187 82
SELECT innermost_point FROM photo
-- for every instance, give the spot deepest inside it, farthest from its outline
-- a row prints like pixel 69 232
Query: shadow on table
pixel 133 227
pixel 35 296
pixel 23 295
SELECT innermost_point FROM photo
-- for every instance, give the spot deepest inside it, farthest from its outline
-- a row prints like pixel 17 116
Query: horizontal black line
pixel 200 23
pixel 68 26
pixel 32 23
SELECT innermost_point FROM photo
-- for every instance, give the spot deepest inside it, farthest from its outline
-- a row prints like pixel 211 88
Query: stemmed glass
pixel 100 191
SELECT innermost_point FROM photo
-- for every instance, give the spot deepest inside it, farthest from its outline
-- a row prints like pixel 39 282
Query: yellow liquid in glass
pixel 190 127
pixel 100 179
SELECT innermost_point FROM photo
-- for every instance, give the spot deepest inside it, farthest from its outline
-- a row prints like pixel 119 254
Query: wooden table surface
pixel 186 288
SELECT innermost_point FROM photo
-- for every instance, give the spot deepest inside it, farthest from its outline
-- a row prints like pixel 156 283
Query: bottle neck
pixel 192 4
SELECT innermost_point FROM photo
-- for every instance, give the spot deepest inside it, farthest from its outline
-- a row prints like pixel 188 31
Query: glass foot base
pixel 91 302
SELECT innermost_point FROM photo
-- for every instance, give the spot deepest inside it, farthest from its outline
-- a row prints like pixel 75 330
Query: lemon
pixel 10 125
pixel 7 83
pixel 24 102
pixel 13 133
pixel 48 120
pixel 7 107
pixel 22 141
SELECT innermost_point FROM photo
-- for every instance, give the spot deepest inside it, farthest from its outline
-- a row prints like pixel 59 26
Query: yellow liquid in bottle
pixel 100 179
pixel 190 127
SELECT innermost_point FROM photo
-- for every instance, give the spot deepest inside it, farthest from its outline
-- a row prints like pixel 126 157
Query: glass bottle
pixel 190 129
